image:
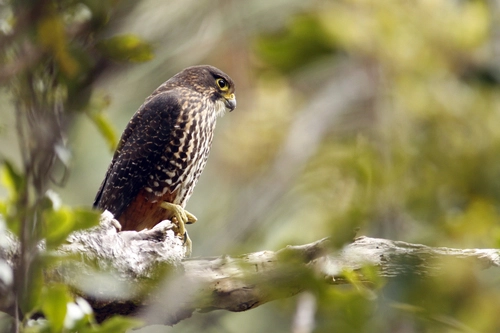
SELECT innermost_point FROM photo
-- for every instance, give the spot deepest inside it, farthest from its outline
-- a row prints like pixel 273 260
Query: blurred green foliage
pixel 302 42
pixel 126 48
pixel 52 52
pixel 417 161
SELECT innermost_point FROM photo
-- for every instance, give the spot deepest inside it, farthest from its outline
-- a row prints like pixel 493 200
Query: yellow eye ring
pixel 222 84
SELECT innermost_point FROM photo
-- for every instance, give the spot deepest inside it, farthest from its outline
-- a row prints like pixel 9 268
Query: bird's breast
pixel 183 159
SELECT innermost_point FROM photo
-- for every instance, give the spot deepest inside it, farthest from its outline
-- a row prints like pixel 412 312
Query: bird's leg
pixel 183 217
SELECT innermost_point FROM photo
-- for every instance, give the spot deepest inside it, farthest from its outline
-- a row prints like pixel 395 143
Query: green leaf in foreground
pixel 54 305
pixel 106 129
pixel 116 324
pixel 11 179
pixel 14 182
pixel 60 223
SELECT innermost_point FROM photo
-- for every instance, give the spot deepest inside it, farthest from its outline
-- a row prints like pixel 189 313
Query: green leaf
pixel 3 208
pixel 116 324
pixel 130 48
pixel 60 223
pixel 31 293
pixel 54 305
pixel 85 218
pixel 11 179
pixel 106 129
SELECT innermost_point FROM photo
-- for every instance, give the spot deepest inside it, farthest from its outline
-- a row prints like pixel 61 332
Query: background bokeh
pixel 378 118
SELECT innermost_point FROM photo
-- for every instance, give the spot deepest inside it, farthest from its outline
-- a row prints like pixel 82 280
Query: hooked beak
pixel 230 102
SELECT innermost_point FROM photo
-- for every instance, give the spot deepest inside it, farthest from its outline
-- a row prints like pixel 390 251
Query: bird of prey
pixel 164 149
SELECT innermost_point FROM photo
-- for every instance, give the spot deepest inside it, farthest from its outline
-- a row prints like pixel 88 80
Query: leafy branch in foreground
pixel 51 53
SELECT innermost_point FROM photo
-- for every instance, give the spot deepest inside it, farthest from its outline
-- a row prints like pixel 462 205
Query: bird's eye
pixel 222 84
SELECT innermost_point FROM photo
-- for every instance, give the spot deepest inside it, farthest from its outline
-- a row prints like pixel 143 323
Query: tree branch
pixel 139 262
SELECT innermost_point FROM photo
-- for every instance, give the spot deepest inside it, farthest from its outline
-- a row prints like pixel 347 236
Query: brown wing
pixel 140 149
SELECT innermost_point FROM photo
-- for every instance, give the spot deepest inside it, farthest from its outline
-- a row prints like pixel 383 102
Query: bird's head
pixel 211 82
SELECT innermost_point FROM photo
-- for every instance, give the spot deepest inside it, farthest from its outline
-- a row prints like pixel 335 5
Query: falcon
pixel 164 149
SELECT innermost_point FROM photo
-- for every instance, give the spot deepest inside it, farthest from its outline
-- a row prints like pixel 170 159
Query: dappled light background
pixel 354 117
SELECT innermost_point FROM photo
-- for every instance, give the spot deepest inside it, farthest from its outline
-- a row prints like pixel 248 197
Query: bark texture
pixel 136 264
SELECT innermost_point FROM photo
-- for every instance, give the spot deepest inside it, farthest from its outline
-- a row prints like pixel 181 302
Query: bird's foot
pixel 182 218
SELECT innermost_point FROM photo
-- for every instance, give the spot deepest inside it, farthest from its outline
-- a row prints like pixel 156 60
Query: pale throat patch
pixel 220 108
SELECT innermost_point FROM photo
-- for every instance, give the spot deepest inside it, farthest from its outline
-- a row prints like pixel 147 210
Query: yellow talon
pixel 190 218
pixel 182 218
